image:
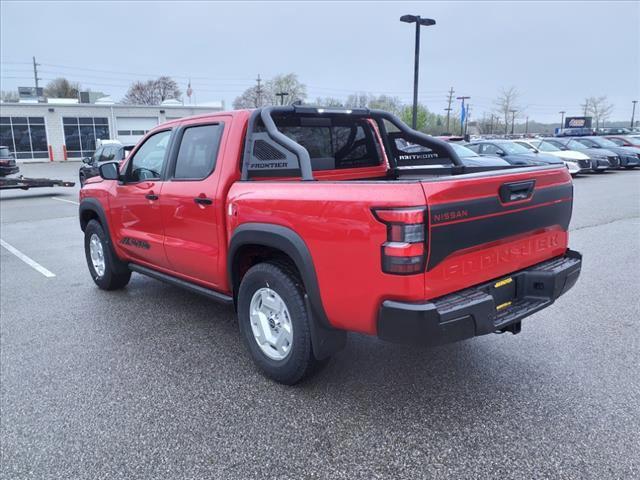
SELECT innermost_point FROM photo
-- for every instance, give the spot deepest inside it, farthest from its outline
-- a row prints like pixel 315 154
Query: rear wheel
pixel 107 270
pixel 82 179
pixel 275 324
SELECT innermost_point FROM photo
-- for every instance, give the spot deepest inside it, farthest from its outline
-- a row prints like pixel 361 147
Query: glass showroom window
pixel 81 133
pixel 26 137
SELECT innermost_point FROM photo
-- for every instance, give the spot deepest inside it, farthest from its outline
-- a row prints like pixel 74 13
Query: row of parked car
pixel 579 154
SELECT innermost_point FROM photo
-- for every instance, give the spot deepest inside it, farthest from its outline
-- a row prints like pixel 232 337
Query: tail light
pixel 404 252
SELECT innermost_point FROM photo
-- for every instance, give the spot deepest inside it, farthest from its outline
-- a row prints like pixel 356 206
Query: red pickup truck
pixel 314 222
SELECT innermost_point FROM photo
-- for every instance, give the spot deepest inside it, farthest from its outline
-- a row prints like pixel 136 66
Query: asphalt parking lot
pixel 154 382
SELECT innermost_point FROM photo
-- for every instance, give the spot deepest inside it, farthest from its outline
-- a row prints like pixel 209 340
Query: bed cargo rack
pixel 270 153
pixel 24 183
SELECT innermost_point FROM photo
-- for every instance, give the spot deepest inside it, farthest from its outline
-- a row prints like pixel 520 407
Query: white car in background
pixel 575 161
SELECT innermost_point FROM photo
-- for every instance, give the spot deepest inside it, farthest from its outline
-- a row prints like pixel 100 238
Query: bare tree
pixel 505 104
pixel 289 84
pixel 250 98
pixel 329 102
pixel 357 100
pixel 62 88
pixel 599 107
pixel 386 103
pixel 9 96
pixel 152 92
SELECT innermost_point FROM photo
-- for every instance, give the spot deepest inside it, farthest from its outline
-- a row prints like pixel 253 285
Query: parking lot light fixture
pixel 425 22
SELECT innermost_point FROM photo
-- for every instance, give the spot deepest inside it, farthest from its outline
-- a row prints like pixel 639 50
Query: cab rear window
pixel 335 145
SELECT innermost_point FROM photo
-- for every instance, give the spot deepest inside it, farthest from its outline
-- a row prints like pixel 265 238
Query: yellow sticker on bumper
pixel 503 306
pixel 504 282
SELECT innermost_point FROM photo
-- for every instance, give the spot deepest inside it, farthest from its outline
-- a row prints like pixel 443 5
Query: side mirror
pixel 500 153
pixel 87 160
pixel 110 171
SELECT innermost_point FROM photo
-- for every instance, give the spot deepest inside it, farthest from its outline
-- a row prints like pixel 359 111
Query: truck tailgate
pixel 484 226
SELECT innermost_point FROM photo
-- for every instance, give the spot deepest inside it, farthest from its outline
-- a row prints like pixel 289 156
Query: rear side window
pixel 198 151
pixel 337 146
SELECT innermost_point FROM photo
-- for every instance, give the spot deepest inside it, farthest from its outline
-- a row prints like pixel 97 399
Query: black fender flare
pixel 93 205
pixel 325 338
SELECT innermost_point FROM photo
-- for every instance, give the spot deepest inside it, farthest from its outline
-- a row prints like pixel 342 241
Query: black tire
pixel 300 361
pixel 82 179
pixel 116 273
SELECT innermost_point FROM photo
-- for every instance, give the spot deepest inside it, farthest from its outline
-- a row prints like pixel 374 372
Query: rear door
pixel 192 214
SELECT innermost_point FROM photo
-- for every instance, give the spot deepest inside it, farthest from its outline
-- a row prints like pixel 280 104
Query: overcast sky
pixel 555 53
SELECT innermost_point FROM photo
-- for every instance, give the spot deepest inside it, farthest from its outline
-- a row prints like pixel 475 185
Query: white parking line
pixel 64 200
pixel 32 263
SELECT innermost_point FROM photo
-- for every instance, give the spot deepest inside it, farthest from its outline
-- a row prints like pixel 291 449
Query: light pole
pixel 562 112
pixel 419 21
pixel 633 112
pixel 282 95
pixel 513 119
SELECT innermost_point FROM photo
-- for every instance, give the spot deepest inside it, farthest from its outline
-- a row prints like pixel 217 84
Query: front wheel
pixel 275 324
pixel 107 271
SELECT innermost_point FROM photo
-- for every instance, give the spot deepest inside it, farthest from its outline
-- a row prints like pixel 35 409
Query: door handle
pixel 203 200
pixel 151 196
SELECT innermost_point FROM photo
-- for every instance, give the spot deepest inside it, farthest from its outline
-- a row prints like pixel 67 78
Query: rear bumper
pixel 472 312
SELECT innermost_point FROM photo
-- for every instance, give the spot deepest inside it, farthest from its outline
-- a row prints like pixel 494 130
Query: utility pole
pixel 491 125
pixel 562 112
pixel 282 95
pixel 513 119
pixel 526 126
pixel 35 74
pixel 462 113
pixel 258 92
pixel 633 112
pixel 448 109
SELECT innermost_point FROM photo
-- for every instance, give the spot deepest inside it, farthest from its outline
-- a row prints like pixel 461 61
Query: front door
pixel 135 207
pixel 192 215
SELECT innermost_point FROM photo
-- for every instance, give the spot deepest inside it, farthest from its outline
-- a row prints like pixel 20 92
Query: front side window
pixel 148 161
pixel 198 151
pixel 514 148
pixel 490 149
pixel 587 143
pixel 96 157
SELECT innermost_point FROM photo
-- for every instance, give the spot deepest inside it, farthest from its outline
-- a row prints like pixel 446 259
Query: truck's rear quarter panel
pixel 335 221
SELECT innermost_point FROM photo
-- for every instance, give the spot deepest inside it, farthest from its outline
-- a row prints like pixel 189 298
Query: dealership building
pixel 64 129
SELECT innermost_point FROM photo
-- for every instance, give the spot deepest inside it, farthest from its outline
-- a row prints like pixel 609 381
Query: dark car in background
pixel 107 152
pixel 472 159
pixel 602 159
pixel 7 162
pixel 613 131
pixel 629 156
pixel 625 140
pixel 511 152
